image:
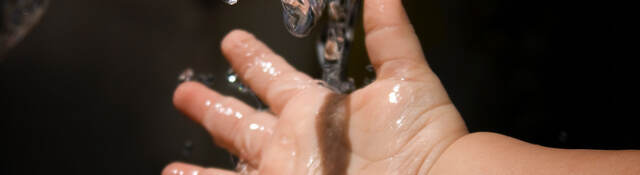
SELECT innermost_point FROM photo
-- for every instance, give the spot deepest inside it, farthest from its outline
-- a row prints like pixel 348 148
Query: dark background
pixel 89 90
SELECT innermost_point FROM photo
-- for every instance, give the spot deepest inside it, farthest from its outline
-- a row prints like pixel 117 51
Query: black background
pixel 89 90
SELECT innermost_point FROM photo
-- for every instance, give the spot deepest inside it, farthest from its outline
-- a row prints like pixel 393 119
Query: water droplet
pixel 267 67
pixel 243 167
pixel 370 68
pixel 230 2
pixel 310 162
pixel 394 96
pixel 186 75
pixel 187 150
pixel 232 79
pixel 238 115
pixel 190 75
pixel 234 82
pixel 400 122
pixel 255 127
pixel 301 15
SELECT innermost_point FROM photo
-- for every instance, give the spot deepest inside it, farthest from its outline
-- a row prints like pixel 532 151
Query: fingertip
pixel 238 32
pixel 383 13
pixel 191 99
pixel 236 38
pixel 179 168
pixel 392 45
pixel 184 92
pixel 213 171
pixel 180 93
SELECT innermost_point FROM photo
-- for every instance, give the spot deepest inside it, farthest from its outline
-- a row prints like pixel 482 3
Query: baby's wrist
pixel 451 160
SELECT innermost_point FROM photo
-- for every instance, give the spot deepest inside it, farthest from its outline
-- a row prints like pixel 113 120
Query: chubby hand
pixel 399 124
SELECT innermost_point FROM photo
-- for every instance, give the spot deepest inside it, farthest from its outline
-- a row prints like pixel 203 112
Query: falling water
pixel 300 16
pixel 333 46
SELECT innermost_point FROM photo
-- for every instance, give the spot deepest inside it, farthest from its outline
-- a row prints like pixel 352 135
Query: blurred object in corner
pixel 17 17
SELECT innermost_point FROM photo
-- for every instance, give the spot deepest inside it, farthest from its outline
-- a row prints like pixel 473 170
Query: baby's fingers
pixel 268 74
pixel 233 124
pixel 178 168
pixel 393 47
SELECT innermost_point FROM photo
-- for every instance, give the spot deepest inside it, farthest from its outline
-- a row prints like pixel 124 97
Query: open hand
pixel 399 124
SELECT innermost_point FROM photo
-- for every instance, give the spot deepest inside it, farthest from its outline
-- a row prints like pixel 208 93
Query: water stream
pixel 300 16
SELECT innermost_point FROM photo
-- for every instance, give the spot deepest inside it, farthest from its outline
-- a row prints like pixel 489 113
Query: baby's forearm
pixel 490 153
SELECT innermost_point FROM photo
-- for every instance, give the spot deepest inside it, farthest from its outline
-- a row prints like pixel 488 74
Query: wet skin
pixel 399 124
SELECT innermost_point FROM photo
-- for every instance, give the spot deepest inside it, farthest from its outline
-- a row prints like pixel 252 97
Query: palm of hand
pixel 399 124
pixel 393 126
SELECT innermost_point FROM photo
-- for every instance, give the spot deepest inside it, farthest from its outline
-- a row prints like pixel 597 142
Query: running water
pixel 333 46
pixel 300 16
